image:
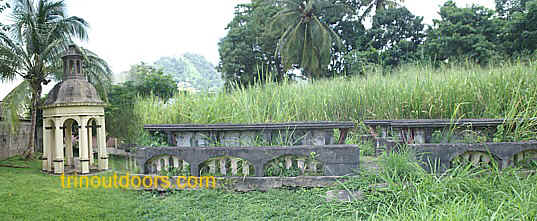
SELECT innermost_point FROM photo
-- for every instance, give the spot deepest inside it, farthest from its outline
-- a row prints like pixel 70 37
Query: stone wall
pixel 15 144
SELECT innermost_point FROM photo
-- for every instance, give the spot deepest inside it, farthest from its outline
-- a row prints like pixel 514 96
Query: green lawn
pixel 28 194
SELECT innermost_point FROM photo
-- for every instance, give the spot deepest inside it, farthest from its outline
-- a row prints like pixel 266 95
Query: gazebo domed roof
pixel 73 91
pixel 75 88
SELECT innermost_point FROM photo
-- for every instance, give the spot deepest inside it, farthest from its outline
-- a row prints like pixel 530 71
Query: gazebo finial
pixel 72 63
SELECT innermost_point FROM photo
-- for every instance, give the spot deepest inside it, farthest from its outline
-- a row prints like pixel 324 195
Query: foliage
pixel 247 51
pixel 119 114
pixel 393 39
pixel 379 6
pixel 193 69
pixel 463 33
pixel 3 7
pixel 147 80
pixel 519 28
pixel 507 8
pixel 414 92
pixel 144 80
pixel 305 38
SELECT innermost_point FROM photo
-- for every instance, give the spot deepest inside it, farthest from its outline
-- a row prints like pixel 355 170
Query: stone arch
pixel 525 158
pixel 168 164
pixel 71 142
pixel 476 157
pixel 226 166
pixel 293 165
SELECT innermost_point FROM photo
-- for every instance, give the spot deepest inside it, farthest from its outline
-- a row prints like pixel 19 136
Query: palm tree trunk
pixel 36 94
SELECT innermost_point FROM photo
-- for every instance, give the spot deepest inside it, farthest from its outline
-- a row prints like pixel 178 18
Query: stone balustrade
pixel 295 141
pixel 440 157
pixel 422 131
pixel 336 160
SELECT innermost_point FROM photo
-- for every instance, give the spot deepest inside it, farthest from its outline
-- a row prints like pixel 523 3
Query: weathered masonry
pixel 13 143
pixel 439 157
pixel 338 160
pixel 247 150
pixel 73 111
pixel 441 144
pixel 307 133
pixel 422 131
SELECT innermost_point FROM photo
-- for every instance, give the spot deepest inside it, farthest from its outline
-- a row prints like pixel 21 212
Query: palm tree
pixel 32 48
pixel 379 5
pixel 305 39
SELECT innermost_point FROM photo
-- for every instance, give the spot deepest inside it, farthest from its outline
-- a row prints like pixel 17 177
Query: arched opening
pixel 93 139
pixel 49 145
pixel 226 166
pixel 526 159
pixel 71 67
pixel 293 165
pixel 71 144
pixel 477 159
pixel 167 165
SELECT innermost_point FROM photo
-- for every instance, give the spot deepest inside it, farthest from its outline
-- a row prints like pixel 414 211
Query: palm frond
pixel 15 105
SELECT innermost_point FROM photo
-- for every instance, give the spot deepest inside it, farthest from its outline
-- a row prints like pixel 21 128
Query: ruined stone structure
pixel 440 157
pixel 442 144
pixel 13 143
pixel 224 148
pixel 73 109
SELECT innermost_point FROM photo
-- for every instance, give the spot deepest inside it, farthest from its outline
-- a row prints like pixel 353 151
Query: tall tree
pixel 143 80
pixel 247 51
pixel 32 48
pixel 463 33
pixel 305 40
pixel 506 8
pixel 396 33
pixel 519 28
pixel 378 5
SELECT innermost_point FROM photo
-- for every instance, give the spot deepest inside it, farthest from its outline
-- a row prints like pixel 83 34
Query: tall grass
pixel 462 193
pixel 416 91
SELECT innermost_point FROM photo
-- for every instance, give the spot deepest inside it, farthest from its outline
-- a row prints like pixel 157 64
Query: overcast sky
pixel 125 33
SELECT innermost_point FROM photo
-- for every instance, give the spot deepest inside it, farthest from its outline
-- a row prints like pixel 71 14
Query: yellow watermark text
pixel 138 181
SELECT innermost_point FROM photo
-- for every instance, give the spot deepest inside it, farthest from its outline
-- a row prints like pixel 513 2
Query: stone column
pixel 58 152
pixel 69 144
pixel 419 136
pixel 83 146
pixel 90 143
pixel 101 144
pixel 51 154
pixel 184 139
pixel 318 137
pixel 46 134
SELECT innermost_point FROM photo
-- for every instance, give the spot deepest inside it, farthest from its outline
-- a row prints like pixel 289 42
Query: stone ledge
pixel 245 184
pixel 245 127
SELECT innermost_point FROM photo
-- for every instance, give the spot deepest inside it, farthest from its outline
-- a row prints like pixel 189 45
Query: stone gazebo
pixel 72 115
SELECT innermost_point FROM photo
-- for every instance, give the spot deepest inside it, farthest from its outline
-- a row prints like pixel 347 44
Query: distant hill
pixel 192 69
